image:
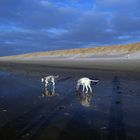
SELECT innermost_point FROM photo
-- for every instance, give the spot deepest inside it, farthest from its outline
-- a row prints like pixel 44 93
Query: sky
pixel 42 25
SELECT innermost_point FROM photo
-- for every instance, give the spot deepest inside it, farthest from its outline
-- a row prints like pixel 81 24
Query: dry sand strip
pixel 102 64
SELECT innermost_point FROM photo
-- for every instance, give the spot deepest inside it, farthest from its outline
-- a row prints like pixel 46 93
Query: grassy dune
pixel 103 58
pixel 118 49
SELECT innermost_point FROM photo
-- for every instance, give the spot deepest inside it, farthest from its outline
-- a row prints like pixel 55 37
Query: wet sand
pixel 29 112
pixel 101 63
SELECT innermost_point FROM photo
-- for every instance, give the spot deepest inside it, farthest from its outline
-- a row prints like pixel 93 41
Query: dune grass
pixel 129 48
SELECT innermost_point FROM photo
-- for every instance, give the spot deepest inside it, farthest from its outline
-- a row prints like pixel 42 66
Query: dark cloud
pixel 36 14
pixel 118 5
pixel 41 25
pixel 126 24
pixel 89 28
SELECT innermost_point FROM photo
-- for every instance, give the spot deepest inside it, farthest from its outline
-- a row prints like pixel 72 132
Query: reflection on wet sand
pixel 30 111
pixel 49 92
pixel 84 98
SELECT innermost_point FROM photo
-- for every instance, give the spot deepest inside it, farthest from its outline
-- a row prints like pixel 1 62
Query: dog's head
pixel 42 79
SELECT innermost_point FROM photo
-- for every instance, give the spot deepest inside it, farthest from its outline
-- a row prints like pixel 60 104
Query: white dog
pixel 49 79
pixel 85 82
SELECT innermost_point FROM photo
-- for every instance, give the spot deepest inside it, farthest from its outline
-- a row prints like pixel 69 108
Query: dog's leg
pixel 46 84
pixel 53 82
pixel 77 87
pixel 90 88
pixel 86 88
pixel 83 88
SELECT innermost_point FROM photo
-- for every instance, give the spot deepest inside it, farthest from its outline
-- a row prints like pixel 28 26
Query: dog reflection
pixel 84 98
pixel 49 92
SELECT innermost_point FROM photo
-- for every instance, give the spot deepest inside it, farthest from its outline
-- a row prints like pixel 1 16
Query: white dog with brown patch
pixel 85 83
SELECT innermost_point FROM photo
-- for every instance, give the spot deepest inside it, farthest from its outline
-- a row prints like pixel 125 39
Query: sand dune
pixel 120 50
pixel 122 57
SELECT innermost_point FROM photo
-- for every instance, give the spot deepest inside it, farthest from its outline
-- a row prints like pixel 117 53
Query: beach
pixel 30 112
pixel 69 70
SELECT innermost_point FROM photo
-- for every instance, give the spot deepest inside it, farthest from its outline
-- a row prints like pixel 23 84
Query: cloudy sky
pixel 42 25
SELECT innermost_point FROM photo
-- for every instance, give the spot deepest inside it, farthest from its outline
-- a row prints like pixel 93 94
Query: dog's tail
pixel 94 81
pixel 57 76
